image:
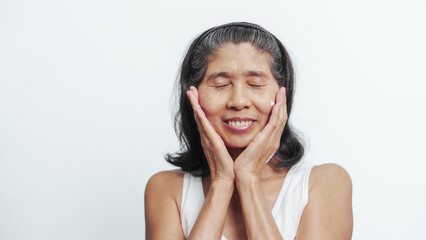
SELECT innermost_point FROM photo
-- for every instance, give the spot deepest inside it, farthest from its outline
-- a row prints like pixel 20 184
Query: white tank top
pixel 286 211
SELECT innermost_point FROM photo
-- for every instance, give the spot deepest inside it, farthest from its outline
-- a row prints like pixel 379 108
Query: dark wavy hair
pixel 191 156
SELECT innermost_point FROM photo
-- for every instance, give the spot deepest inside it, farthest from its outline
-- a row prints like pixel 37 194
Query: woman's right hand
pixel 220 162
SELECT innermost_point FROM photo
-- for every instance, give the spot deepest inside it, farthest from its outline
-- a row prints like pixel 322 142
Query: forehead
pixel 242 56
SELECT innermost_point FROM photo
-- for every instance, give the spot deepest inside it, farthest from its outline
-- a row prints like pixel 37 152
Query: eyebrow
pixel 217 75
pixel 252 73
pixel 249 73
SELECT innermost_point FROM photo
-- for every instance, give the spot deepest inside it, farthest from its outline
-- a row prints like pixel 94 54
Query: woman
pixel 240 174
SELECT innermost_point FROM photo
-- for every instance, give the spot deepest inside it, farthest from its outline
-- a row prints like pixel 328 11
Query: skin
pixel 234 88
pixel 242 188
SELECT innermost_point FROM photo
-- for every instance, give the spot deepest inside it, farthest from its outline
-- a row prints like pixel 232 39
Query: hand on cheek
pixel 252 160
pixel 218 158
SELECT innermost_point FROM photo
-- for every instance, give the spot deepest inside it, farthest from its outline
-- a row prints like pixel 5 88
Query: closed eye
pixel 256 85
pixel 221 86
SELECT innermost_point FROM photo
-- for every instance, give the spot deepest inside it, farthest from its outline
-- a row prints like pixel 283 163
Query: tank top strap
pixel 192 201
pixel 292 199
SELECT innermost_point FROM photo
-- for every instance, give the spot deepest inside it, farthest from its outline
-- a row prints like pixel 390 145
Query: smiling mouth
pixel 239 125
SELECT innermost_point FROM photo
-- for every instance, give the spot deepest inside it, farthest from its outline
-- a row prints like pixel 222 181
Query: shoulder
pixel 165 184
pixel 165 179
pixel 164 176
pixel 328 213
pixel 329 177
pixel 163 194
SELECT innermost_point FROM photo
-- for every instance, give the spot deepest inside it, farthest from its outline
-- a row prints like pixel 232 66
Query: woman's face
pixel 236 92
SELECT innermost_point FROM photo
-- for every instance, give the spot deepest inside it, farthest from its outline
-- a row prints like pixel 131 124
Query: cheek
pixel 264 105
pixel 263 102
pixel 210 106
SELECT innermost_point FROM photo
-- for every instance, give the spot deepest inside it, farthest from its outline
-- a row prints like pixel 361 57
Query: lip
pixel 227 124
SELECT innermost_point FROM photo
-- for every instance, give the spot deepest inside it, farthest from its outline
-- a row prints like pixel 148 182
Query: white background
pixel 85 118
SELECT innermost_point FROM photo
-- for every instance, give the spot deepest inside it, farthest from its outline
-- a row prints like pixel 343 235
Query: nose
pixel 239 98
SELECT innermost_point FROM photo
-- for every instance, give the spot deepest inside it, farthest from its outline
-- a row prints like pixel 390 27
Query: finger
pixel 198 112
pixel 275 126
pixel 194 90
pixel 193 97
pixel 282 115
pixel 279 98
pixel 277 120
pixel 205 125
pixel 273 123
pixel 276 111
pixel 270 135
pixel 284 104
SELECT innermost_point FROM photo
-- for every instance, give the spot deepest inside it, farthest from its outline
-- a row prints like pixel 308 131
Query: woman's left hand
pixel 252 160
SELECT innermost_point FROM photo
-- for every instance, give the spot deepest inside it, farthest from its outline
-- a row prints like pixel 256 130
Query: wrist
pixel 222 183
pixel 246 178
pixel 222 187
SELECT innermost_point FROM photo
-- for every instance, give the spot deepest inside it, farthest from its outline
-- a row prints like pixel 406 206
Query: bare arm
pixel 328 214
pixel 258 218
pixel 260 223
pixel 162 215
pixel 211 219
pixel 162 219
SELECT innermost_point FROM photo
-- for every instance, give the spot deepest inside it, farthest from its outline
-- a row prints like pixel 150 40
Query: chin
pixel 237 144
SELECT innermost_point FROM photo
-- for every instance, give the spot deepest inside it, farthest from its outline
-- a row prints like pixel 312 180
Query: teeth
pixel 240 124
